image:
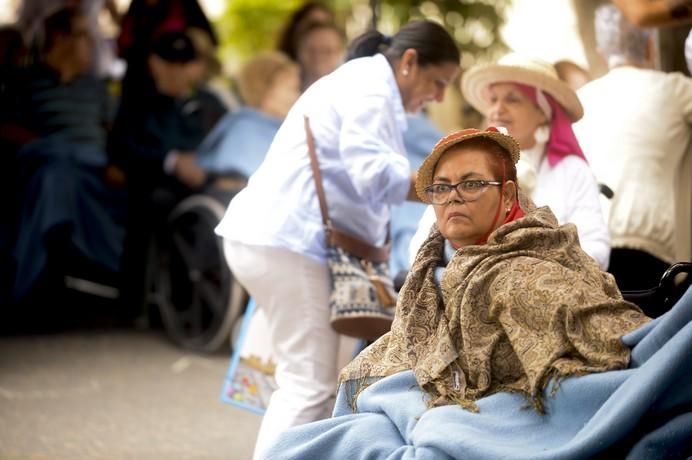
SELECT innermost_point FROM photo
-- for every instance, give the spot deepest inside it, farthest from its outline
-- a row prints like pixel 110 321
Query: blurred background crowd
pixel 165 98
pixel 127 126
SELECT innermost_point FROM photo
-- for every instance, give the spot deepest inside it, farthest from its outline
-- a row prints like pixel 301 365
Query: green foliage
pixel 475 25
pixel 249 26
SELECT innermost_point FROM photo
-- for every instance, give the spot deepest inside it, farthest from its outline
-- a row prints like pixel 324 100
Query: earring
pixel 542 134
pixel 404 72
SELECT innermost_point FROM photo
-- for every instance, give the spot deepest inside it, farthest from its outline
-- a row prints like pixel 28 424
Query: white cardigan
pixel 636 134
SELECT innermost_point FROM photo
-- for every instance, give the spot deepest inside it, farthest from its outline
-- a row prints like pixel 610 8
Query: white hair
pixel 618 39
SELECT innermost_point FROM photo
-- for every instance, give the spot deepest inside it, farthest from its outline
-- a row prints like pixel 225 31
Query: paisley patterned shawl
pixel 508 316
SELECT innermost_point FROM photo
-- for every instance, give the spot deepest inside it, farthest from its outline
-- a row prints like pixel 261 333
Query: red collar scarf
pixel 514 213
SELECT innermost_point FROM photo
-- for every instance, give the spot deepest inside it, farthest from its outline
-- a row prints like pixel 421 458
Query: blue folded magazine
pixel 249 382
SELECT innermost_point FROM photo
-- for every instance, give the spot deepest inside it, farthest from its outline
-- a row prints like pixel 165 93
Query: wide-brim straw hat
pixel 518 68
pixel 427 168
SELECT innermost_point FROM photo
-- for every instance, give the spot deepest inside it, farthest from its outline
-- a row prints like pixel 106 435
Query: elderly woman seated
pixel 269 85
pixel 520 348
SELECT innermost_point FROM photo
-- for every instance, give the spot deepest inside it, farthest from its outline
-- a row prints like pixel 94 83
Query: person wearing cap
pixel 525 96
pixel 274 237
pixel 140 25
pixel 152 141
pixel 518 305
pixel 153 146
pixel 636 132
pixel 212 85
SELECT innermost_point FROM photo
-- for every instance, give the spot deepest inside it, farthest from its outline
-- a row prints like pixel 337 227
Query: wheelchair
pixel 188 284
pixel 657 300
pixel 188 280
pixel 673 284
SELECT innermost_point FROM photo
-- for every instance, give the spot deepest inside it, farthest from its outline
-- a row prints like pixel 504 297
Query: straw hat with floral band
pixel 539 81
pixel 509 145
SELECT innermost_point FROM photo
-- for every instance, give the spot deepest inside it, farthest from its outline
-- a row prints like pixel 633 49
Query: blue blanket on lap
pixel 62 186
pixel 644 412
pixel 238 143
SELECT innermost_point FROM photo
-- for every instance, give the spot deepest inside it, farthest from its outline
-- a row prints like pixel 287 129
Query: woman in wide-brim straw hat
pixel 525 96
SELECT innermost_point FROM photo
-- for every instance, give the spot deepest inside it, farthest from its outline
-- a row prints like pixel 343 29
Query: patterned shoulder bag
pixel 362 297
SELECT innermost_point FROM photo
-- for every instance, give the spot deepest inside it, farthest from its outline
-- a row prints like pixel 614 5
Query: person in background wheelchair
pixel 183 172
pixel 55 116
pixel 268 86
pixel 152 150
pixel 197 295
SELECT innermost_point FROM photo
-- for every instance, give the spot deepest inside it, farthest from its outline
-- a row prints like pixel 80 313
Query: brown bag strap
pixel 335 237
pixel 316 174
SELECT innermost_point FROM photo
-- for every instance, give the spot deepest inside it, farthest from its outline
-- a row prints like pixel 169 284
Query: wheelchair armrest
pixel 656 301
pixel 668 278
pixel 606 191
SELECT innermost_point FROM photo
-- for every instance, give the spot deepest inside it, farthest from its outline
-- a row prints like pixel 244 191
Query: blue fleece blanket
pixel 644 412
pixel 238 143
pixel 62 186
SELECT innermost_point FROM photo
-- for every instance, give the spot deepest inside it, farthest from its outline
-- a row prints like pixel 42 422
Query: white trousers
pixel 293 292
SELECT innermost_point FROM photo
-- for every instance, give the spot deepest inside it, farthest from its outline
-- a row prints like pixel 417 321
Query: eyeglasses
pixel 468 190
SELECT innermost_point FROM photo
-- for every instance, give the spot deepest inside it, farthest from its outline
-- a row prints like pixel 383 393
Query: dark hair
pixel 59 23
pixel 312 26
pixel 287 39
pixel 431 41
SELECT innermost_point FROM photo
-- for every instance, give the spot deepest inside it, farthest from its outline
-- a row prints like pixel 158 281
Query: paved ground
pixel 115 393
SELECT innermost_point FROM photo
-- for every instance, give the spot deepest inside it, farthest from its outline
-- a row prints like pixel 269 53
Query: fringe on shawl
pixel 535 400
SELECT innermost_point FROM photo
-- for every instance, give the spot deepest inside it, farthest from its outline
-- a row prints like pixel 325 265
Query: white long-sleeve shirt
pixel 357 118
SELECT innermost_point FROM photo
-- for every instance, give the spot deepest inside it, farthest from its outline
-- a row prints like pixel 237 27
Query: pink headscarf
pixel 562 140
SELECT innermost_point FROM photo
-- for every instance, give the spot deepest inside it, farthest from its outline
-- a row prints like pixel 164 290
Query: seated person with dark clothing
pixel 55 120
pixel 154 146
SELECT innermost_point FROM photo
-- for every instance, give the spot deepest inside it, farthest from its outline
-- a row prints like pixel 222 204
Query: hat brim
pixel 427 168
pixel 475 81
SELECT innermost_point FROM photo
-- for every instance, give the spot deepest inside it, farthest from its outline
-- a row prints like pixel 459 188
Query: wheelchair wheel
pixel 198 298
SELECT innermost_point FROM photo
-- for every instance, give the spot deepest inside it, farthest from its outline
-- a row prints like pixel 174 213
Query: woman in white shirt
pixel 273 232
pixel 525 96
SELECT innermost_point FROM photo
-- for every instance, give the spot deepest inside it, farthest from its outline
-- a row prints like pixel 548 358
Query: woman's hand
pixel 412 195
pixel 114 176
pixel 188 171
